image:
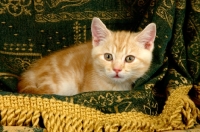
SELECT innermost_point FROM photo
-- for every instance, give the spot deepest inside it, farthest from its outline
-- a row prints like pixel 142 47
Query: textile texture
pixel 164 99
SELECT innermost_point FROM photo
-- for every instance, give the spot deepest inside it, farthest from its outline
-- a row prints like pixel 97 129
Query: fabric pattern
pixel 31 29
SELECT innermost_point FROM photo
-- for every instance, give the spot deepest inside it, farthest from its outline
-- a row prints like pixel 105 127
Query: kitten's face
pixel 120 59
pixel 121 56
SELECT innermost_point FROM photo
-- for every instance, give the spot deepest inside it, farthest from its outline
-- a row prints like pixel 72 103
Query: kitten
pixel 112 61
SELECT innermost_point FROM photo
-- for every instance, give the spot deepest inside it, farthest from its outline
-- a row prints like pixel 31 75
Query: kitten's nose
pixel 117 70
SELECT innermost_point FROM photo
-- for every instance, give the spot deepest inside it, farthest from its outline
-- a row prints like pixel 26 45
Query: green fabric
pixel 32 29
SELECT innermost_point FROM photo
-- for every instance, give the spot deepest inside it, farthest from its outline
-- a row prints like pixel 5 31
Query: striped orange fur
pixel 112 61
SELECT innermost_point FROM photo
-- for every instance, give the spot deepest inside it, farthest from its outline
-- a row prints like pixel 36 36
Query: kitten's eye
pixel 108 57
pixel 129 58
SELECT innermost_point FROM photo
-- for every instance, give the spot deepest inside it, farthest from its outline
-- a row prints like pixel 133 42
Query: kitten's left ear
pixel 147 36
pixel 99 31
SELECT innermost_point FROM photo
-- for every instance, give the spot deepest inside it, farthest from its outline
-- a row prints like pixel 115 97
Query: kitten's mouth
pixel 116 76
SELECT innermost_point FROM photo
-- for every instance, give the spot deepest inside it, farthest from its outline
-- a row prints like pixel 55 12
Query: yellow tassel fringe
pixel 59 116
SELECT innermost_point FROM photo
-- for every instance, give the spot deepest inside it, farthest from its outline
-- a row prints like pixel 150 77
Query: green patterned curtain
pixel 31 29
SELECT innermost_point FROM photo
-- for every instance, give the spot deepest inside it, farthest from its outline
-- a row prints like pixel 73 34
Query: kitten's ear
pixel 99 31
pixel 147 36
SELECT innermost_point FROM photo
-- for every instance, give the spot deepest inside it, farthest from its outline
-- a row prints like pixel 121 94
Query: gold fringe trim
pixel 59 116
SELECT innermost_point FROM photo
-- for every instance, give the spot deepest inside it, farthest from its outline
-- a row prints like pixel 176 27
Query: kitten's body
pixel 84 68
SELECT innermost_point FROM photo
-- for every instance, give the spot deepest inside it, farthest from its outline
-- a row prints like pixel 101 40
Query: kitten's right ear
pixel 99 31
pixel 147 36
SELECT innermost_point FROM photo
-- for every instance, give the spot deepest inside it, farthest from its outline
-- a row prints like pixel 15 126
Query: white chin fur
pixel 118 80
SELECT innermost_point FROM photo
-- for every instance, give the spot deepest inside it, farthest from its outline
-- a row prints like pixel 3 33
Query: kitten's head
pixel 122 56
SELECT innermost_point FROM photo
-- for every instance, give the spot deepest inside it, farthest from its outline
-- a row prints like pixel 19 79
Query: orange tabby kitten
pixel 112 61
